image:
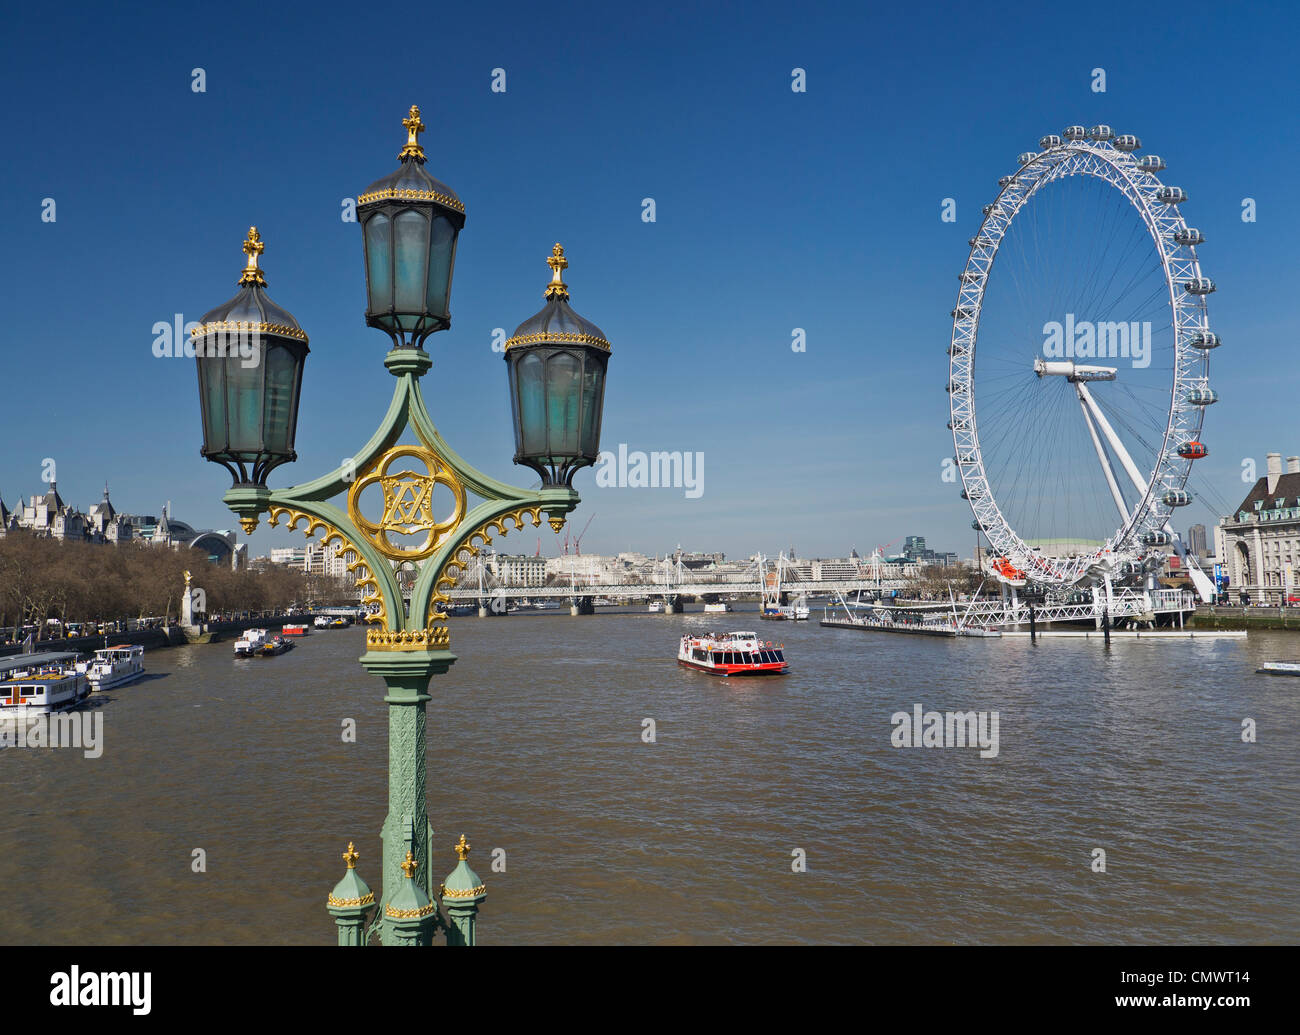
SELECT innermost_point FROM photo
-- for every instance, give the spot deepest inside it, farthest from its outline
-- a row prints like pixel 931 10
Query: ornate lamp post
pixel 249 397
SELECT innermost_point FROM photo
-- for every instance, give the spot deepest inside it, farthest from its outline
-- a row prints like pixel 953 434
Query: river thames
pixel 535 747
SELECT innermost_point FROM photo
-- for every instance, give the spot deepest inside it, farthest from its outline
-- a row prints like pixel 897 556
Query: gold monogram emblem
pixel 408 503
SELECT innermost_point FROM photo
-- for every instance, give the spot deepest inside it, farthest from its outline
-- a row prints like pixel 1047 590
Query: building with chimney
pixel 1259 544
pixel 50 517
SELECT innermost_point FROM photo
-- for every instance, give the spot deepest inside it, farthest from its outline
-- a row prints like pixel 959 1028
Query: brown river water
pixel 535 747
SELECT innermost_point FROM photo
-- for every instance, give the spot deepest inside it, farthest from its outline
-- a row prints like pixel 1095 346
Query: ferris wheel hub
pixel 1073 371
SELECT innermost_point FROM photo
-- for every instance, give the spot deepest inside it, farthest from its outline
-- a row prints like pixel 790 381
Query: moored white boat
pixel 732 654
pixel 656 607
pixel 720 608
pixel 37 684
pixel 113 666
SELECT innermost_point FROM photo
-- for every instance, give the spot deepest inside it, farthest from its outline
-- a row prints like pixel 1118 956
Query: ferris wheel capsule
pixel 1188 235
pixel 1193 451
pixel 1156 538
pixel 1004 180
pixel 1171 195
pixel 1204 340
pixel 1151 164
pixel 1074 133
pixel 1049 141
pixel 1202 396
pixel 1100 133
pixel 961 313
pixel 1200 286
pixel 1025 157
pixel 1175 498
pixel 990 208
pixel 1127 142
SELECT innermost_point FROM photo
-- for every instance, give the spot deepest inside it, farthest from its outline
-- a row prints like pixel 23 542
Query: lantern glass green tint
pixel 250 355
pixel 409 223
pixel 557 362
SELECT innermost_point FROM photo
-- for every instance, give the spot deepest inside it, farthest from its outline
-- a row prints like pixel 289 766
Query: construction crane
pixel 577 547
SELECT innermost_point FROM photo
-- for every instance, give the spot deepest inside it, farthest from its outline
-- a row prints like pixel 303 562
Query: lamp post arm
pixel 386 435
pixel 332 523
pixel 475 480
pixel 490 518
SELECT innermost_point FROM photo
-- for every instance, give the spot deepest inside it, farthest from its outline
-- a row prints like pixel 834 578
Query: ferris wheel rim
pixel 1188 315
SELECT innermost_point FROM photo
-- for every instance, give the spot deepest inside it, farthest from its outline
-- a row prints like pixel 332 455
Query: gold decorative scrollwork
pixel 364 900
pixel 460 557
pixel 365 579
pixel 467 893
pixel 435 637
pixel 408 503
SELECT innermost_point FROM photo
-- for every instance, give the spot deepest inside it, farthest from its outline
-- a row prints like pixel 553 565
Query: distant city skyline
pixel 784 316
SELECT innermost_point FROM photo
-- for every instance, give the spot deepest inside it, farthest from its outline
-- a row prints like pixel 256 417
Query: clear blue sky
pixel 775 210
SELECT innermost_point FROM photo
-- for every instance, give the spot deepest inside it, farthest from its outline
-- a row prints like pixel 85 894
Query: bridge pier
pixel 673 604
pixel 582 606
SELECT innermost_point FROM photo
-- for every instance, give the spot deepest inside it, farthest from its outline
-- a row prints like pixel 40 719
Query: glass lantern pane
pixel 276 433
pixel 379 254
pixel 411 256
pixel 563 396
pixel 212 385
pixel 532 405
pixel 593 391
pixel 442 243
pixel 244 401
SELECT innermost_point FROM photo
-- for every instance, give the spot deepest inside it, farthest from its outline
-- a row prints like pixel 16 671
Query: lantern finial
pixel 253 247
pixel 556 288
pixel 414 127
pixel 351 856
pixel 461 848
pixel 409 866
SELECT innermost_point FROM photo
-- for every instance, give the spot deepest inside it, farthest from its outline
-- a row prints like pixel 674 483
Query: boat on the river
pixel 113 666
pixel 247 644
pixel 656 607
pixel 295 630
pixel 274 645
pixel 37 684
pixel 1279 668
pixel 720 608
pixel 732 654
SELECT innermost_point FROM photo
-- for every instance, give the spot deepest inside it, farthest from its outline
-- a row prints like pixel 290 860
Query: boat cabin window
pixel 748 658
pixel 780 655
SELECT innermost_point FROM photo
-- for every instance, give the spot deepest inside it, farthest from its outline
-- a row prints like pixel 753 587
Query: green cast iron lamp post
pixel 250 356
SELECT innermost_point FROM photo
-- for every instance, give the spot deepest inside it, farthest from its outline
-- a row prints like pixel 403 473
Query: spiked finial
pixel 409 866
pixel 414 127
pixel 557 262
pixel 253 247
pixel 351 856
pixel 462 846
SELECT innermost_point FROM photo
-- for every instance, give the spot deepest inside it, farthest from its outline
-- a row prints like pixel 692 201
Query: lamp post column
pixel 406 674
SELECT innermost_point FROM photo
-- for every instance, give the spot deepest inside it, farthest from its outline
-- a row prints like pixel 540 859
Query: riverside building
pixel 1259 544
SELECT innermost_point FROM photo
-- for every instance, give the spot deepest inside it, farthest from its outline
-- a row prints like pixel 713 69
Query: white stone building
pixel 1259 544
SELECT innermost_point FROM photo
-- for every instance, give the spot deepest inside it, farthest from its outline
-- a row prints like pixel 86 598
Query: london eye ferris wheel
pixel 1079 364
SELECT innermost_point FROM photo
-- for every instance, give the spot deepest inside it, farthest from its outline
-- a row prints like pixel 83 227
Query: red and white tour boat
pixel 733 654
